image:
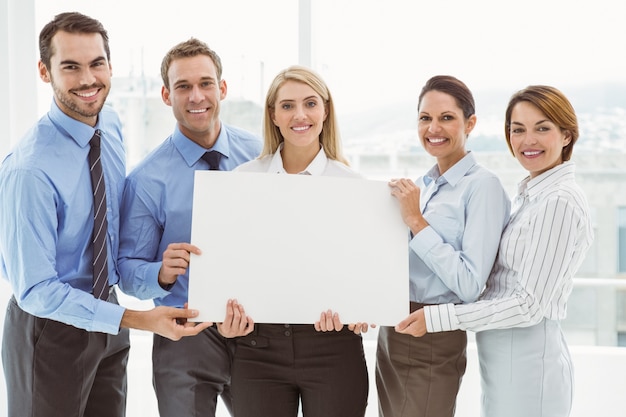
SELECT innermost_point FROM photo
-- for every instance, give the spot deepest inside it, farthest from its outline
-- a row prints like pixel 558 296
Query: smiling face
pixel 195 93
pixel 536 141
pixel 299 114
pixel 443 129
pixel 79 73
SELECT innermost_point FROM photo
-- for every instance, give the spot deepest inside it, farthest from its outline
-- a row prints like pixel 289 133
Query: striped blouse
pixel 541 249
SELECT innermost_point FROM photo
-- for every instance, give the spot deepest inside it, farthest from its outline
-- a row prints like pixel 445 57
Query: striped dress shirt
pixel 541 249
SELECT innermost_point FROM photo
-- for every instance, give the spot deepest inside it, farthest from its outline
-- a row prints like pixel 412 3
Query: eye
pixel 285 106
pixel 182 86
pixel 311 103
pixel 424 119
pixel 447 117
pixel 516 130
pixel 543 128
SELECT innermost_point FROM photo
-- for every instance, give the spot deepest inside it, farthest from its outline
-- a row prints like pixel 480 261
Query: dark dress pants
pixel 54 369
pixel 419 376
pixel 189 374
pixel 278 366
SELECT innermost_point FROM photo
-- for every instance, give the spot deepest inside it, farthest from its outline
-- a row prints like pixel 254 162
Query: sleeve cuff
pixel 441 318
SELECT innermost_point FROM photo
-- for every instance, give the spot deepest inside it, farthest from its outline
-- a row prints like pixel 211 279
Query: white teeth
pixel 531 153
pixel 197 111
pixel 436 140
pixel 300 128
pixel 87 95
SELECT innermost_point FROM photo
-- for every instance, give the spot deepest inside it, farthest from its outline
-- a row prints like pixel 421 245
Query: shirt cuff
pixel 108 317
pixel 441 318
pixel 424 241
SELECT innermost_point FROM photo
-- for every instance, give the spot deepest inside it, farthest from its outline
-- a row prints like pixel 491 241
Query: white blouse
pixel 541 249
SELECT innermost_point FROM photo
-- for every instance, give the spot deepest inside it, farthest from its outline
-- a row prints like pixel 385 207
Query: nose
pixel 195 95
pixel 529 138
pixel 300 112
pixel 434 126
pixel 87 76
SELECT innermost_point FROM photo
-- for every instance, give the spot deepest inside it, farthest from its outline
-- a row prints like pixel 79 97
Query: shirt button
pixel 287 333
pixel 286 326
pixel 253 342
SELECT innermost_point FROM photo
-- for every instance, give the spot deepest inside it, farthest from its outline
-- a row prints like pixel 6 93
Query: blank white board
pixel 288 247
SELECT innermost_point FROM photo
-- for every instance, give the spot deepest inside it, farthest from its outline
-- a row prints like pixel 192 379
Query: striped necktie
pixel 213 159
pixel 100 269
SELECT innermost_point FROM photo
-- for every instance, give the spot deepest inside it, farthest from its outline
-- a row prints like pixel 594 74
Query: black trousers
pixel 278 366
pixel 54 369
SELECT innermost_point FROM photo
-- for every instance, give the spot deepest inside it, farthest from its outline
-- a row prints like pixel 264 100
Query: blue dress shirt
pixel 157 207
pixel 467 209
pixel 46 219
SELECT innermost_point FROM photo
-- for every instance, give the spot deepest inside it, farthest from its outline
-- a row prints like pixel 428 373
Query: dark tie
pixel 100 270
pixel 213 159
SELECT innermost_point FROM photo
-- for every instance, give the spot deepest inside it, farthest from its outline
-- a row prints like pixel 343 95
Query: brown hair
pixel 187 49
pixel 71 22
pixel 453 87
pixel 551 102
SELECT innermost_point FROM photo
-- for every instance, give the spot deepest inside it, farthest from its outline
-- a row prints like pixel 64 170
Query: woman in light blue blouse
pixel 455 213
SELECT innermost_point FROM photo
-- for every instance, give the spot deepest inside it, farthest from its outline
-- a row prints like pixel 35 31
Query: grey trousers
pixel 54 369
pixel 189 374
pixel 419 376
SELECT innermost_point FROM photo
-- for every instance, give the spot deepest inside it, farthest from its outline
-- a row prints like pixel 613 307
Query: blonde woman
pixel 321 366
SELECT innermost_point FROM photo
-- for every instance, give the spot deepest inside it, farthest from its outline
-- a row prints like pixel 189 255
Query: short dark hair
pixel 71 22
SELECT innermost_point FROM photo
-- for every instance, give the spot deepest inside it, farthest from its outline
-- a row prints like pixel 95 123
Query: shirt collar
pixel 316 167
pixel 535 186
pixel 455 173
pixel 192 152
pixel 80 132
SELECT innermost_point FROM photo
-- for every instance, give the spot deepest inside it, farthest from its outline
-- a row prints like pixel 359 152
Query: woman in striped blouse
pixel 525 364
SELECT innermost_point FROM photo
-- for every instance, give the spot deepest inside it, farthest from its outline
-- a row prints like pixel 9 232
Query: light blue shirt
pixel 157 207
pixel 467 209
pixel 46 219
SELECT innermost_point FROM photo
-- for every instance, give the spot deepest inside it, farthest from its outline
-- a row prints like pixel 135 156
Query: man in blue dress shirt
pixel 64 349
pixel 156 228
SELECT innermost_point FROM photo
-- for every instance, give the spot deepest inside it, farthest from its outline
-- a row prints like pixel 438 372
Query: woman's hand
pixel 408 195
pixel 236 323
pixel 415 324
pixel 328 322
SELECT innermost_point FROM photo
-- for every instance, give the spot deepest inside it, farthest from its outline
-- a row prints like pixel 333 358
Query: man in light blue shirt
pixel 64 350
pixel 156 227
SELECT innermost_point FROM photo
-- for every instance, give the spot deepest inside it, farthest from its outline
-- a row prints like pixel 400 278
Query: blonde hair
pixel 329 137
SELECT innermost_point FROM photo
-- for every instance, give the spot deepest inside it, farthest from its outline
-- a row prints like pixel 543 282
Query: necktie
pixel 213 159
pixel 100 269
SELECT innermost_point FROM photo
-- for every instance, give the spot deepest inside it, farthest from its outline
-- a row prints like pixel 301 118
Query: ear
pixel 567 138
pixel 469 125
pixel 165 95
pixel 223 89
pixel 43 72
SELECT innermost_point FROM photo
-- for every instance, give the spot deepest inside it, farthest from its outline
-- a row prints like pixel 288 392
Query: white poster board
pixel 288 247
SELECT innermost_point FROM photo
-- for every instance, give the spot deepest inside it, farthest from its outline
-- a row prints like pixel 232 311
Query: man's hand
pixel 170 322
pixel 175 262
